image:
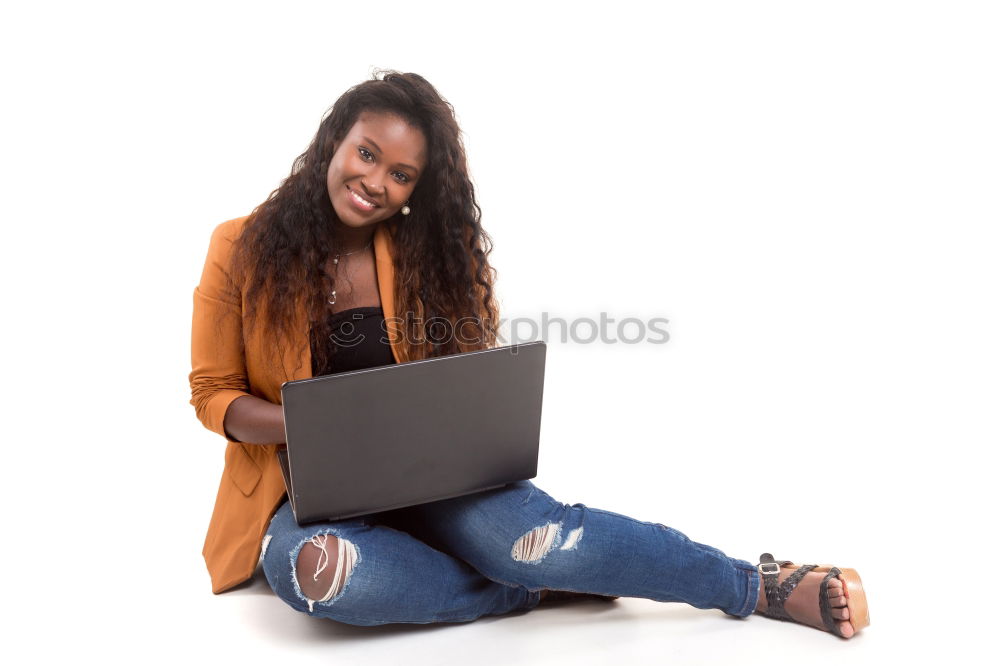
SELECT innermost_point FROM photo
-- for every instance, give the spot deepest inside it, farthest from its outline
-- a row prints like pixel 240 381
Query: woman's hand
pixel 252 420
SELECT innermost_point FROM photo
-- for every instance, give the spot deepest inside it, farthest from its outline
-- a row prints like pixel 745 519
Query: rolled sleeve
pixel 218 364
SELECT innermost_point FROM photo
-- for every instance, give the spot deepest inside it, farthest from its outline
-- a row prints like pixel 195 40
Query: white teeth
pixel 363 202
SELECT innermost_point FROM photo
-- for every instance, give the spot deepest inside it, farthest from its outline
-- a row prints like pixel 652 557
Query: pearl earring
pixel 405 210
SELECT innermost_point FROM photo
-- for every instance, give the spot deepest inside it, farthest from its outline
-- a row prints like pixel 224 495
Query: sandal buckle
pixel 760 568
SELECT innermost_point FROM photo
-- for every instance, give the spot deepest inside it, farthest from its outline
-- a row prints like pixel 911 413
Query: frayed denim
pixel 491 553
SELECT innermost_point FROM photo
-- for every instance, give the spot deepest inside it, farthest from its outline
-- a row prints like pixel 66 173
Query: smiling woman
pixel 358 258
pixel 379 161
pixel 368 184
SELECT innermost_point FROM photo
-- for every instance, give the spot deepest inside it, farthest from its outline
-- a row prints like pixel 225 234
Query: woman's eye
pixel 402 177
pixel 366 154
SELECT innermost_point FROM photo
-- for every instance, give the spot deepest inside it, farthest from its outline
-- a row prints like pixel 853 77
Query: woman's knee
pixel 324 566
pixel 313 568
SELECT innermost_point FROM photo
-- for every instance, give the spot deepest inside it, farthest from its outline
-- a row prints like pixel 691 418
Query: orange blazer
pixel 225 366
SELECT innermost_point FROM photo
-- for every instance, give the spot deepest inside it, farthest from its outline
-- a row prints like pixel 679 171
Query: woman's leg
pixel 519 535
pixel 359 572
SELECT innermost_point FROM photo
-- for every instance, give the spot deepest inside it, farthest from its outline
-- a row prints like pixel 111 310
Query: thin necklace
pixel 336 270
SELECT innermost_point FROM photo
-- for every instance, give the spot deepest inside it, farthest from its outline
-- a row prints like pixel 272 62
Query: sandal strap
pixel 824 603
pixel 769 568
pixel 777 593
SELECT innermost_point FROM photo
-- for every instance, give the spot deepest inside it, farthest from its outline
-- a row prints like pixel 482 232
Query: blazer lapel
pixel 386 276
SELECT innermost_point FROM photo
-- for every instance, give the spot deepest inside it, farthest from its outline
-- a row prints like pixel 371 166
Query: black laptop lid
pixel 397 435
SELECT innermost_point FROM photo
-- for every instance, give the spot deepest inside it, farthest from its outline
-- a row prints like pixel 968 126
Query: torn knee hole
pixel 323 567
pixel 535 544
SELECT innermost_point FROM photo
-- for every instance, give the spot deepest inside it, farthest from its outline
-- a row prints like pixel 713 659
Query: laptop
pixel 398 435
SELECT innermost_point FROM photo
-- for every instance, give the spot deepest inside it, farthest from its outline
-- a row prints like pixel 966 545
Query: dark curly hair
pixel 442 275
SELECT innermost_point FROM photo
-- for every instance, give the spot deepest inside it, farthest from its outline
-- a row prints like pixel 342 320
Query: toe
pixel 846 630
pixel 840 613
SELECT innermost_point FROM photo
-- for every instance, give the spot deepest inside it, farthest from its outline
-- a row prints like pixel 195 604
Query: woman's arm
pixel 252 420
pixel 218 367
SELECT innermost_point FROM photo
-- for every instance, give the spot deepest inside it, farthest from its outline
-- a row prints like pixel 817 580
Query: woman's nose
pixel 372 184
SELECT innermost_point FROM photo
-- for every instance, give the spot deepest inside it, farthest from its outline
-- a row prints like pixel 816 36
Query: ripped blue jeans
pixel 491 553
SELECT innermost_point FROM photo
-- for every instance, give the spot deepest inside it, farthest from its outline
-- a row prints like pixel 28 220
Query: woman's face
pixel 374 169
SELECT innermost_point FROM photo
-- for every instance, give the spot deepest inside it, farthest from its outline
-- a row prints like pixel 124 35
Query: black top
pixel 357 340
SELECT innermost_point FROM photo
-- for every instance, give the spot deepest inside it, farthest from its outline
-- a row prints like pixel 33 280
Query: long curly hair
pixel 443 280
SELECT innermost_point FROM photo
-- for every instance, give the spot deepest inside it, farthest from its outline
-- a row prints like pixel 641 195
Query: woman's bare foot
pixel 803 603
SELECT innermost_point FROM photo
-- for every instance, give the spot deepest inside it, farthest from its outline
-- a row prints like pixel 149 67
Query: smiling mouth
pixel 362 201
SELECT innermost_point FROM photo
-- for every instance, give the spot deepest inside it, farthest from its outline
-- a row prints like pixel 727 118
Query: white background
pixel 807 191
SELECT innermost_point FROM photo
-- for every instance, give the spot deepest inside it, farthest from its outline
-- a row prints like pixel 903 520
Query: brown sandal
pixel 777 593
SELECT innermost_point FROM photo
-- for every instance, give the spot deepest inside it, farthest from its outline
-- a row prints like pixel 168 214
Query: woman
pixel 373 240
